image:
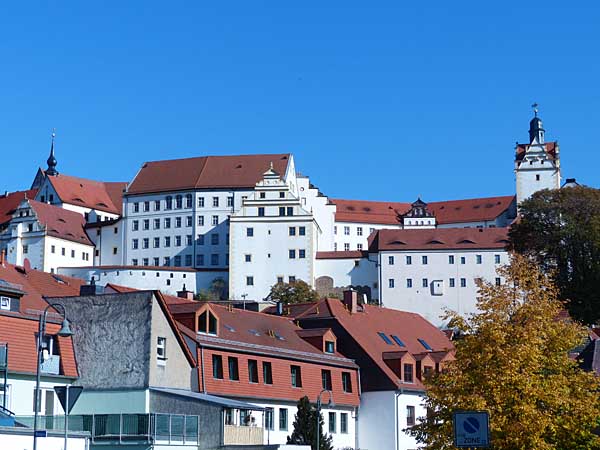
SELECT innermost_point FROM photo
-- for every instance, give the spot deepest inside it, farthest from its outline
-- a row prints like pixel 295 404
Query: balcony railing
pixel 51 365
pixel 166 429
pixel 241 435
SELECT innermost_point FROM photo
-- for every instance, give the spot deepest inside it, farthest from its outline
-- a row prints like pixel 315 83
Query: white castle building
pixel 253 221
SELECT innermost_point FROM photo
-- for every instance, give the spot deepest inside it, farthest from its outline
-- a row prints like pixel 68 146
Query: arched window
pixel 169 202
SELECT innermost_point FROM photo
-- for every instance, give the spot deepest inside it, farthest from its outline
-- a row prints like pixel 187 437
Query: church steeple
pixel 51 159
pixel 536 129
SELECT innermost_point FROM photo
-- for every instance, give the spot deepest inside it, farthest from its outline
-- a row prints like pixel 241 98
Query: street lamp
pixel 330 403
pixel 65 331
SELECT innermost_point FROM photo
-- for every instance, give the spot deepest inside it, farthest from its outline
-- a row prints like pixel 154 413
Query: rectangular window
pixel 146 224
pixel 344 423
pixel 145 243
pixel 188 260
pixel 450 259
pixel 390 260
pixel 347 231
pixel 215 220
pixel 217 362
pixel 156 205
pixel 167 261
pixel 134 244
pixel 296 374
pixel 169 202
pixel 249 232
pixel 248 258
pixel 332 422
pixel 291 279
pixel 282 210
pixel 451 282
pixel 188 200
pixel 408 260
pixel 359 231
pixel 145 262
pixel 463 282
pixel 410 416
pixel 409 282
pixel 215 201
pixel 199 260
pixel 135 225
pixel 267 373
pixel 200 221
pixel 302 231
pixel 167 222
pixel 346 382
pixel 497 259
pixel 52 249
pixel 146 206
pixel 167 241
pixel 200 240
pixel 161 348
pixel 232 363
pixel 136 207
pixel 178 202
pixel 478 259
pixel 391 283
pixel 290 210
pixel 463 260
pixel 177 222
pixel 424 259
pixel 177 241
pixel 214 259
pixel 301 253
pixel 335 230
pixel 347 247
pixel 156 242
pixel 283 419
pixel 230 202
pixel 134 262
pixel 425 282
pixel 329 347
pixel 177 262
pixel 384 337
pixel 261 211
pixel 157 224
pixel 292 231
pixel 498 281
pixel 200 202
pixel 189 220
pixel 250 281
pixel 408 373
pixel 214 239
pixel 292 254
pixel 269 422
pixel 359 246
pixel 326 379
pixel 253 371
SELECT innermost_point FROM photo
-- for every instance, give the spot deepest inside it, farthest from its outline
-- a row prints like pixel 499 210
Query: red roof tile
pixel 103 196
pixel 439 239
pixel 10 201
pixel 551 148
pixel 242 171
pixel 61 223
pixel 352 254
pixel 445 212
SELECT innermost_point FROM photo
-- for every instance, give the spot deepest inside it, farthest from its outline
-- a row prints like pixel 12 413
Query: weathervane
pixel 535 108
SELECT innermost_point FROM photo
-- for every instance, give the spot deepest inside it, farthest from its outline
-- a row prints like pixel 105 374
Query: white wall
pixel 422 300
pixel 350 272
pixel 55 441
pixel 536 163
pixel 382 417
pixel 323 212
pixel 21 389
pixel 353 240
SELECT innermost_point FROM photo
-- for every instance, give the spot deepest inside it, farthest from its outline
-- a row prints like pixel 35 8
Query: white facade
pixel 108 241
pixel 383 416
pixel 350 271
pixel 323 211
pixel 273 239
pixel 21 388
pixel 428 282
pixel 349 236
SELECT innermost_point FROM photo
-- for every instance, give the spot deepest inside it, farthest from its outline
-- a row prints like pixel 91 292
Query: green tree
pixel 513 361
pixel 217 291
pixel 560 230
pixel 305 427
pixel 296 292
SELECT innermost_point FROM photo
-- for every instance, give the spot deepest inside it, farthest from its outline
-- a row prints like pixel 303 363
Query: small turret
pixel 536 128
pixel 51 159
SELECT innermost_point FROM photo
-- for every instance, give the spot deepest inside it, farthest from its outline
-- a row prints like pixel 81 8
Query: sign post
pixel 471 429
pixel 67 395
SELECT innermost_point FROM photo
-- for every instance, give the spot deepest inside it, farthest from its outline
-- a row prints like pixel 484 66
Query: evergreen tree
pixel 305 427
pixel 513 361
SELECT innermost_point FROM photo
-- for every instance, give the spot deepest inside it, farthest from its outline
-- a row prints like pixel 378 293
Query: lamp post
pixel 65 331
pixel 330 403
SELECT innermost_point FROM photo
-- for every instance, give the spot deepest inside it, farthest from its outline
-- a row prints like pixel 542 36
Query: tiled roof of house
pixel 61 223
pixel 350 254
pixel 365 325
pixel 103 196
pixel 551 148
pixel 250 331
pixel 242 171
pixel 10 201
pixel 445 212
pixel 439 239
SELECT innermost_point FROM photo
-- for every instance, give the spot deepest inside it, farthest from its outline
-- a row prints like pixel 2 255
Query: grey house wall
pixel 211 416
pixel 111 338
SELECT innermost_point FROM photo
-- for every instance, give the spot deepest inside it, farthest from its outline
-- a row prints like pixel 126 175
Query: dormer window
pixel 207 323
pixel 329 347
pixel 408 373
pixel 5 303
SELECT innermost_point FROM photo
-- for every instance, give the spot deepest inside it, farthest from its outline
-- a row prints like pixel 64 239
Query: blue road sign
pixel 41 433
pixel 471 429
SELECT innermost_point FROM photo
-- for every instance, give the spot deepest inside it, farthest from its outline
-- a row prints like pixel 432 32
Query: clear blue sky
pixel 375 99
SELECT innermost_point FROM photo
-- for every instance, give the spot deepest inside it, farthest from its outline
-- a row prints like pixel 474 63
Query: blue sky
pixel 377 100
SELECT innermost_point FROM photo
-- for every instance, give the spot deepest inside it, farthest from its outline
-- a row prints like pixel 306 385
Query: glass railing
pixel 164 428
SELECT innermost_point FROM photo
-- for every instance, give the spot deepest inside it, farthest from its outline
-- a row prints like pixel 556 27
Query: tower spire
pixel 536 129
pixel 51 159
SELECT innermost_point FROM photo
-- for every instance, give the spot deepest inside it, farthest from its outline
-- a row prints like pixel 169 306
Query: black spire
pixel 51 159
pixel 536 128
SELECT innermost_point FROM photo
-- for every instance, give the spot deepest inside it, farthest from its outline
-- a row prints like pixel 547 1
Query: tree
pixel 513 361
pixel 217 291
pixel 296 292
pixel 560 229
pixel 305 427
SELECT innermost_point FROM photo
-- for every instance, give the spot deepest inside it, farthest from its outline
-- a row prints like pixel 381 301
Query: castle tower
pixel 537 164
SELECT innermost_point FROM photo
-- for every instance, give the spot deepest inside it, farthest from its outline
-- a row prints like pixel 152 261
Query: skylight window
pixel 279 337
pixel 398 341
pixel 424 344
pixel 254 332
pixel 385 338
pixel 229 328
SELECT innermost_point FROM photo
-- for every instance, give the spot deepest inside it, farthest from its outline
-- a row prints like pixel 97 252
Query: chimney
pixel 91 289
pixel 351 301
pixel 279 306
pixel 184 293
pixel 2 257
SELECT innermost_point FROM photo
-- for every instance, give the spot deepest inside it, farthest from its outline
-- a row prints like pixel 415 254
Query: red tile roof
pixel 103 196
pixel 551 149
pixel 20 335
pixel 439 239
pixel 352 254
pixel 445 212
pixel 10 201
pixel 251 332
pixel 242 171
pixel 364 325
pixel 61 223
